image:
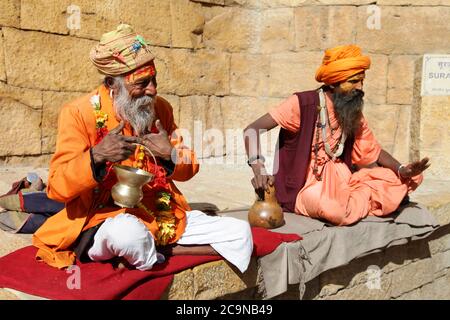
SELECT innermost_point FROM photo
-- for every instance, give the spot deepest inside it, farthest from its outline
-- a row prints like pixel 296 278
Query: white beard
pixel 139 112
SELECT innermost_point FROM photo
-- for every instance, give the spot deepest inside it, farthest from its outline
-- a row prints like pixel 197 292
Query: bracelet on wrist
pixel 398 170
pixel 252 160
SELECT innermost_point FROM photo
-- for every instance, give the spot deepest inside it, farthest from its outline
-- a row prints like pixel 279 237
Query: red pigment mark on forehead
pixel 146 71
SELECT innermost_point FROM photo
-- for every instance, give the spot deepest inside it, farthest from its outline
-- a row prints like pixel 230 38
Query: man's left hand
pixel 414 168
pixel 158 143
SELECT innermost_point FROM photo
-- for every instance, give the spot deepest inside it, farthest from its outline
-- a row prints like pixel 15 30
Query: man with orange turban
pixel 329 164
pixel 125 122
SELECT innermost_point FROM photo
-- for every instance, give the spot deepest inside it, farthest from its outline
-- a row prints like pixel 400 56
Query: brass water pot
pixel 127 192
pixel 265 211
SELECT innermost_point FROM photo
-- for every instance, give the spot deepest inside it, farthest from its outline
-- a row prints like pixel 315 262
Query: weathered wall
pixel 224 62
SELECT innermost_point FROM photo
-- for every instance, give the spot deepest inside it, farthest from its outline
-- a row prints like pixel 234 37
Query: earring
pixel 111 93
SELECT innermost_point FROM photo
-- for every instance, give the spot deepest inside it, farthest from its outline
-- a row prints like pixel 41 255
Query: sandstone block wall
pixel 224 63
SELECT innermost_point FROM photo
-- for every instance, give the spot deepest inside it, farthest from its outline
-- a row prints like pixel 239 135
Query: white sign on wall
pixel 436 75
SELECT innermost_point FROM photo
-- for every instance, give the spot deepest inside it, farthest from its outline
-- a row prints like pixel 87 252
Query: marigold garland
pixel 164 216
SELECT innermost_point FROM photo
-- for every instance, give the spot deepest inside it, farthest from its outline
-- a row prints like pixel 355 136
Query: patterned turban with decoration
pixel 120 51
pixel 341 63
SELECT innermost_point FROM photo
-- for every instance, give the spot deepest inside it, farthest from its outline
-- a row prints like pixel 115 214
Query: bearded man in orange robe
pixel 329 165
pixel 107 127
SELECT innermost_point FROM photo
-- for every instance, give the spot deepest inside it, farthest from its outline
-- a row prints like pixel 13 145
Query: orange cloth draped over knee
pixel 71 179
pixel 341 63
pixel 342 197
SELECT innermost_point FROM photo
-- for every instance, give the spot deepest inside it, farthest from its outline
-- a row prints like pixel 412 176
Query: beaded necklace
pixel 322 120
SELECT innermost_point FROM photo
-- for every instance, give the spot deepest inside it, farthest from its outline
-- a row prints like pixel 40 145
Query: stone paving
pixel 225 186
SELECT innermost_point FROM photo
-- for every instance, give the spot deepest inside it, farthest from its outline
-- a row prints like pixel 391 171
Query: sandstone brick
pixel 401 24
pixel 90 27
pixel 20 116
pixel 350 275
pixel 394 258
pixel 56 16
pixel 52 104
pixel 152 20
pixel 437 290
pixel 250 75
pixel 399 96
pixel 330 289
pixel 182 287
pixel 238 113
pixel 275 31
pixel 401 144
pixel 214 114
pixel 175 103
pixel 237 29
pixel 345 2
pixel 435 135
pixel 192 109
pixel 215 279
pixel 200 73
pixel 418 250
pixel 217 2
pixel 440 244
pixel 414 2
pixel 393 135
pixel 198 115
pixel 28 97
pixel 401 79
pixel 415 112
pixel 383 130
pixel 187 23
pixel 44 15
pixel 375 83
pixel 364 292
pixel 2 59
pixel 441 263
pixel 321 27
pixel 10 13
pixel 214 136
pixel 34 161
pixel 291 72
pixel 162 63
pixel 420 271
pixel 232 30
pixel 265 4
pixel 49 62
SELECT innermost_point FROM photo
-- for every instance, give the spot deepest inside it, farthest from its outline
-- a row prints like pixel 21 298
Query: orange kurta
pixel 71 180
pixel 341 197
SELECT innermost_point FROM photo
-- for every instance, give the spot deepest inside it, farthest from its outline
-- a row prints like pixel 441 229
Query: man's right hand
pixel 114 147
pixel 261 181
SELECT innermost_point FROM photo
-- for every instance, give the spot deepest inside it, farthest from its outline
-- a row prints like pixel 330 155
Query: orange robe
pixel 71 180
pixel 341 197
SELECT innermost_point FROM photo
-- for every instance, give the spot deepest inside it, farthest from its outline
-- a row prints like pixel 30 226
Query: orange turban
pixel 341 63
pixel 120 51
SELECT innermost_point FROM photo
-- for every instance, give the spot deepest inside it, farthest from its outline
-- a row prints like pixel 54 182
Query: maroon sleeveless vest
pixel 293 152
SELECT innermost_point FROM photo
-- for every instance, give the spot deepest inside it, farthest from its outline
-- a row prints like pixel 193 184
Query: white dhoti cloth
pixel 126 236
